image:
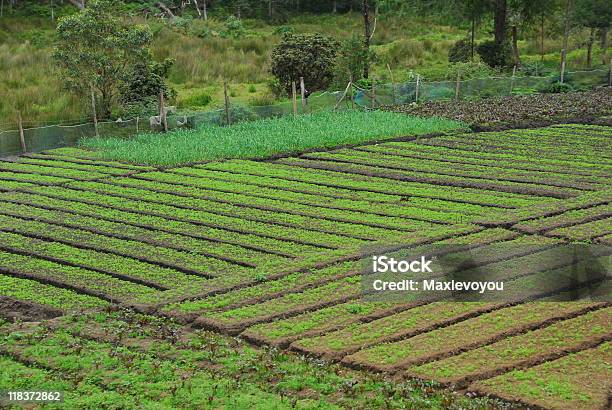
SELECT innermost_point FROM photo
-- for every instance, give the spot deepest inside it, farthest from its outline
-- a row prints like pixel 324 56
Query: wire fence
pixel 42 138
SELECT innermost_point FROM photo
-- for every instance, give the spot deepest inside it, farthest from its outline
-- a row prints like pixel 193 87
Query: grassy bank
pixel 264 138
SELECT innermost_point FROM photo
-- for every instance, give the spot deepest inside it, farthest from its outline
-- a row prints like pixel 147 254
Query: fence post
pixel 457 86
pixel 610 74
pixel 512 80
pixel 416 96
pixel 93 110
pixel 21 136
pixel 562 78
pixel 137 118
pixel 392 83
pixel 294 98
pixel 303 94
pixel 162 111
pixel 226 98
pixel 352 93
pixel 373 92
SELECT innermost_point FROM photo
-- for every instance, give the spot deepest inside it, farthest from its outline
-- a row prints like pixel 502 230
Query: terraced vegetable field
pixel 273 252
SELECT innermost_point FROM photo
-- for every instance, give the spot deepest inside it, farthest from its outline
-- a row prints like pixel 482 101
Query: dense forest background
pixel 205 42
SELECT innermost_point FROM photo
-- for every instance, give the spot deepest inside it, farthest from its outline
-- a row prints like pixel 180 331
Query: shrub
pixel 233 28
pixel 252 89
pixel 197 100
pixel 460 52
pixel 556 88
pixel 495 55
pixel 301 55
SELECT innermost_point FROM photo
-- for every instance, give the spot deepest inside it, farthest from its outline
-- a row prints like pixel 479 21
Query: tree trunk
pixel 78 4
pixel 542 38
pixel 165 9
pixel 205 9
pixel 473 35
pixel 603 44
pixel 269 9
pixel 500 21
pixel 515 50
pixel 197 6
pixel 566 31
pixel 335 9
pixel 590 42
pixel 366 43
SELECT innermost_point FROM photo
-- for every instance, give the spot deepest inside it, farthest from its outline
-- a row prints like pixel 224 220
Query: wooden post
pixel 93 111
pixel 137 118
pixel 392 83
pixel 457 86
pixel 303 94
pixel 610 74
pixel 562 77
pixel 343 95
pixel 21 136
pixel 352 93
pixel 294 98
pixel 162 111
pixel 512 79
pixel 416 96
pixel 226 98
pixel 373 93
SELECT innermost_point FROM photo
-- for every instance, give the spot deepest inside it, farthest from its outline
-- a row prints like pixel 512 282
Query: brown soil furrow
pixel 24 311
pixel 543 228
pixel 467 183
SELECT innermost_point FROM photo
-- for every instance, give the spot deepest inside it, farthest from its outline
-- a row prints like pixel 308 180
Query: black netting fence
pixel 55 136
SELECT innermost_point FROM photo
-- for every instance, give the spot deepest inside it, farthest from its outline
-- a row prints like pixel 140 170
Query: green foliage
pixel 145 82
pixel 97 49
pixel 310 56
pixel 460 52
pixel 197 100
pixel 495 55
pixel 352 58
pixel 233 28
pixel 556 88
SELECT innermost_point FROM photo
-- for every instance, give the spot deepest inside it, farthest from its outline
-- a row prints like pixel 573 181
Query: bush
pixel 301 55
pixel 556 88
pixel 460 52
pixel 233 28
pixel 494 55
pixel 197 100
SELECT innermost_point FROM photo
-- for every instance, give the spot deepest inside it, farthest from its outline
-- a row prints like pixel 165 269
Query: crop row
pixel 465 335
pixel 47 295
pixel 149 379
pixel 520 287
pixel 495 147
pixel 585 231
pixel 202 218
pixel 56 156
pixel 59 164
pixel 251 183
pixel 12 185
pixel 6 177
pixel 376 184
pixel 110 264
pixel 536 211
pixel 522 350
pixel 159 224
pixel 579 381
pixel 350 288
pixel 153 237
pixel 77 279
pixel 442 170
pixel 572 217
pixel 260 210
pixel 50 171
pixel 298 281
pixel 503 161
pixel 435 179
pixel 164 258
pixel 283 201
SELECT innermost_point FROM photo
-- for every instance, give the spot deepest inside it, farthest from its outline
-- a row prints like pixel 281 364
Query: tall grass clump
pixel 265 138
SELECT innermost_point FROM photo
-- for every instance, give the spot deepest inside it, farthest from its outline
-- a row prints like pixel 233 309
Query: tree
pixel 474 11
pixel 367 37
pixel 595 15
pixel 312 56
pixel 501 9
pixel 97 50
